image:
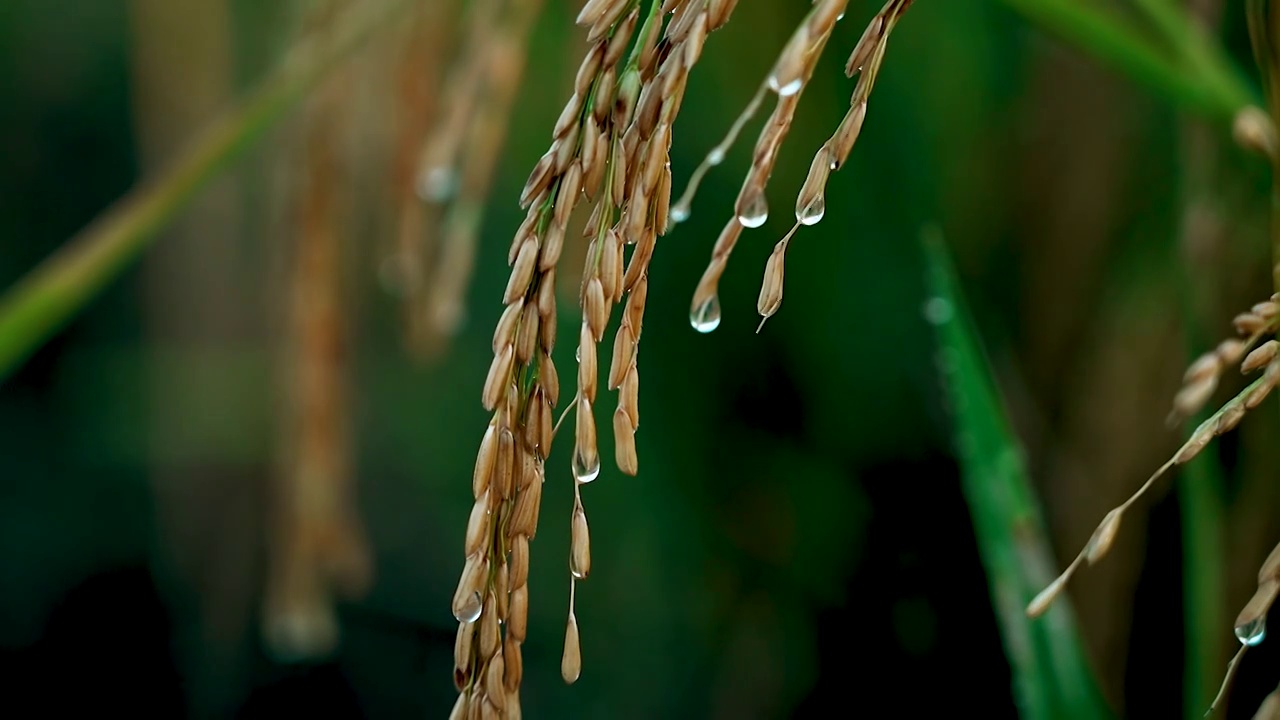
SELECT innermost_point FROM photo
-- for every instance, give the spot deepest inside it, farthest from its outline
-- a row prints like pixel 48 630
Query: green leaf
pixel 1195 73
pixel 1051 676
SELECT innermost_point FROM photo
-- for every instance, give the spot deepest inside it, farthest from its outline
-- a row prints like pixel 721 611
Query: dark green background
pixel 796 539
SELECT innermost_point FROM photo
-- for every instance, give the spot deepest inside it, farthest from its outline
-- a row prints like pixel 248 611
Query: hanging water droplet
pixel 937 311
pixel 437 184
pixel 469 611
pixel 715 157
pixel 585 469
pixel 1253 632
pixel 791 88
pixel 756 212
pixel 706 317
pixel 679 213
pixel 574 571
pixel 812 213
pixel 577 354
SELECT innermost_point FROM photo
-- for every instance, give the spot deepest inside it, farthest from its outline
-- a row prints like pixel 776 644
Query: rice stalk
pixel 1253 356
pixel 788 79
pixel 317 548
pixel 457 165
pixel 610 144
pixel 420 57
pixel 865 61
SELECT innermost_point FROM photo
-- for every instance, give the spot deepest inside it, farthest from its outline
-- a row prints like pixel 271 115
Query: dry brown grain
pixel 1199 381
pixel 865 61
pixel 611 143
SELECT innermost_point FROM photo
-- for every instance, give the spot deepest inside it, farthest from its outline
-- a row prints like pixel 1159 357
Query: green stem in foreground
pixel 1201 79
pixel 40 303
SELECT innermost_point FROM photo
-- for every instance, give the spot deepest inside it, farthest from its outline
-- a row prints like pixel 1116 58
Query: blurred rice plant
pixel 1152 43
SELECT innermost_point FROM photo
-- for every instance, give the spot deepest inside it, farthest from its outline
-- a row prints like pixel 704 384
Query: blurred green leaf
pixel 1197 74
pixel 1051 675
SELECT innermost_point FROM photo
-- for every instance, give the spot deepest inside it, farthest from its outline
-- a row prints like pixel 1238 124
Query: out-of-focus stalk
pixel 316 548
pixel 39 304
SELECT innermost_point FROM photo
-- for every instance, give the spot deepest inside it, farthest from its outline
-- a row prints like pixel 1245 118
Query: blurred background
pixel 797 538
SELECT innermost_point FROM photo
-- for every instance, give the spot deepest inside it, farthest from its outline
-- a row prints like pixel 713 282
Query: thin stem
pixel 684 206
pixel 40 303
pixel 1232 667
pixel 564 414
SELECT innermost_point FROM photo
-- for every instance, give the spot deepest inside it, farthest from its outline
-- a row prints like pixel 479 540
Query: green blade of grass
pixel 1051 675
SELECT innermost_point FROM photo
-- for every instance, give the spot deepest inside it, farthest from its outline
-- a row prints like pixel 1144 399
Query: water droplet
pixel 715 157
pixel 469 611
pixel 679 212
pixel 706 317
pixel 437 184
pixel 840 17
pixel 1253 632
pixel 812 213
pixel 791 88
pixel 756 212
pixel 937 311
pixel 577 354
pixel 586 469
